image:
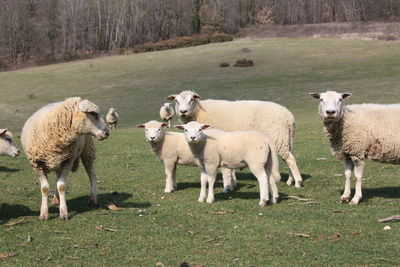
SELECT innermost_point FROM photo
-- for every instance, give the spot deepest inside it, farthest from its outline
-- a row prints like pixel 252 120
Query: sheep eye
pixel 186 131
pixel 321 100
pixel 191 100
pixel 8 139
pixel 159 130
pixel 199 130
pixel 176 101
pixel 146 130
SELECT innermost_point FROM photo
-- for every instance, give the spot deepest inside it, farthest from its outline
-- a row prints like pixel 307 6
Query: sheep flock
pixel 217 134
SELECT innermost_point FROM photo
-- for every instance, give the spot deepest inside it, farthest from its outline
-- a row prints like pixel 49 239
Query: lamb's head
pixel 154 130
pixel 186 103
pixel 7 145
pixel 88 120
pixel 193 131
pixel 331 105
pixel 168 106
pixel 111 110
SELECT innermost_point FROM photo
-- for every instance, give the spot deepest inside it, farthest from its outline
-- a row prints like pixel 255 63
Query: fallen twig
pixel 111 206
pixel 21 221
pixel 102 228
pixel 222 212
pixel 299 235
pixel 389 219
pixel 299 198
pixel 212 239
pixel 305 203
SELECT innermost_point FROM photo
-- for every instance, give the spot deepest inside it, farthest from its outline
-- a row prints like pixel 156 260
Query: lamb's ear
pixel 315 95
pixel 196 96
pixel 3 131
pixel 345 95
pixel 140 126
pixel 165 124
pixel 171 97
pixel 87 106
pixel 205 126
pixel 180 127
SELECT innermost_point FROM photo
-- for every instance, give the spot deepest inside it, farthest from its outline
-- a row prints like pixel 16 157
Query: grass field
pixel 174 228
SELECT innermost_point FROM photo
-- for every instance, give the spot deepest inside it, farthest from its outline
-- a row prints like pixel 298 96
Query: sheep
pixel 7 144
pixel 267 117
pixel 359 132
pixel 55 137
pixel 166 112
pixel 112 118
pixel 213 149
pixel 172 149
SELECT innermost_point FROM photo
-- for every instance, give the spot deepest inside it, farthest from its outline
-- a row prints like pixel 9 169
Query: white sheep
pixel 267 117
pixel 55 137
pixel 7 144
pixel 166 112
pixel 234 150
pixel 112 118
pixel 172 149
pixel 359 132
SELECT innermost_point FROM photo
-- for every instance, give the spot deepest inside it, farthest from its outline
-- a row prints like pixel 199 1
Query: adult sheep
pixel 245 115
pixel 112 118
pixel 7 144
pixel 55 137
pixel 359 132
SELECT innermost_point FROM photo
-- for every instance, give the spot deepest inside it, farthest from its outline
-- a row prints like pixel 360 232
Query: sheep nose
pixel 107 134
pixel 152 137
pixel 330 112
pixel 193 137
pixel 183 111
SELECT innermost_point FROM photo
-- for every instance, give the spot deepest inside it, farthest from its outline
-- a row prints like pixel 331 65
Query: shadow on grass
pixel 8 212
pixel 370 193
pixel 6 169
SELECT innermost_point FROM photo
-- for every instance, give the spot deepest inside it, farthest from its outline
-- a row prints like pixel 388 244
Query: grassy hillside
pixel 174 228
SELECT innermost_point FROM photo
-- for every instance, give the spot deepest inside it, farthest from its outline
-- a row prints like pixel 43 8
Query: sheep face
pixel 7 145
pixel 153 130
pixel 331 105
pixel 167 106
pixel 193 131
pixel 185 103
pixel 88 120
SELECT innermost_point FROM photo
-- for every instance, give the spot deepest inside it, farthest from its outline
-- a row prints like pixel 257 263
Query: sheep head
pixel 154 130
pixel 88 120
pixel 193 131
pixel 331 105
pixel 186 103
pixel 7 144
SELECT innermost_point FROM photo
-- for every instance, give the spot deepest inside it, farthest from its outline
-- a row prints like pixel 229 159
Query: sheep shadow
pixel 6 169
pixel 8 212
pixel 384 192
pixel 246 195
pixel 80 205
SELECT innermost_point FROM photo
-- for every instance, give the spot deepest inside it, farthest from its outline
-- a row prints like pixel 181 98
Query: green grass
pixel 174 227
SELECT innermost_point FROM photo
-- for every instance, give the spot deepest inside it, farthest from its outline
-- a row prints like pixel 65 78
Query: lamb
pixel 172 149
pixel 166 112
pixel 55 137
pixel 359 132
pixel 112 118
pixel 7 144
pixel 213 149
pixel 267 117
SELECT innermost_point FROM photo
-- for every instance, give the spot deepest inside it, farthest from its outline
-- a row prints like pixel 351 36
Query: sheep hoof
pixel 201 199
pixel 44 217
pixel 289 182
pixel 55 201
pixel 262 203
pixel 168 191
pixel 92 203
pixel 225 191
pixel 344 200
pixel 354 201
pixel 274 200
pixel 210 200
pixel 64 217
pixel 299 184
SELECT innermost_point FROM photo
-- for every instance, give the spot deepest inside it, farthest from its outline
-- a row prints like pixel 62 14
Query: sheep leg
pixel 227 180
pixel 56 198
pixel 203 183
pixel 358 173
pixel 88 157
pixel 272 182
pixel 61 186
pixel 170 171
pixel 290 179
pixel 262 178
pixel 211 177
pixel 345 198
pixel 294 170
pixel 44 188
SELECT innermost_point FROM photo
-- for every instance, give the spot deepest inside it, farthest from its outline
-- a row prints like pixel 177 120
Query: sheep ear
pixel 205 126
pixel 3 131
pixel 315 95
pixel 140 126
pixel 180 127
pixel 346 95
pixel 171 97
pixel 87 106
pixel 165 124
pixel 195 96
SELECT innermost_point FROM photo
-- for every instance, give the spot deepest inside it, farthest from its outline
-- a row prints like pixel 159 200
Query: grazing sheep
pixel 166 112
pixel 267 117
pixel 7 145
pixel 55 137
pixel 172 149
pixel 359 132
pixel 112 118
pixel 234 150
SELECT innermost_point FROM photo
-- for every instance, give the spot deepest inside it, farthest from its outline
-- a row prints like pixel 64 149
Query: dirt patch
pixel 388 31
pixel 244 63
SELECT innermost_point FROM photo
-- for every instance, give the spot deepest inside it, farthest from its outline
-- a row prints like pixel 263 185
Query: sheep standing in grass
pixel 359 132
pixel 172 149
pixel 112 118
pixel 233 150
pixel 166 112
pixel 267 117
pixel 55 137
pixel 7 145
